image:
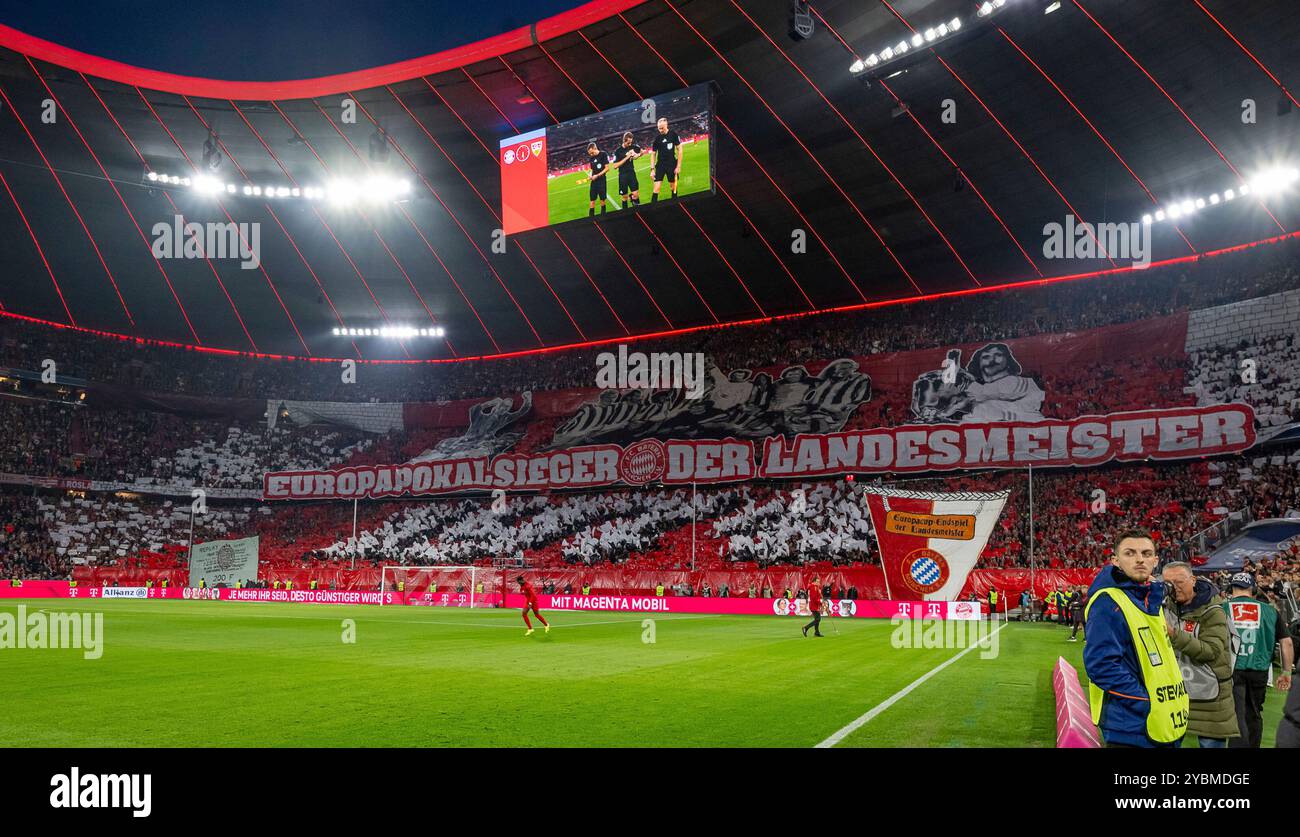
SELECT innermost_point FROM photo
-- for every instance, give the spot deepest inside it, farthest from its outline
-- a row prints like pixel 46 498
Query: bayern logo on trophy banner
pixel 643 462
pixel 925 570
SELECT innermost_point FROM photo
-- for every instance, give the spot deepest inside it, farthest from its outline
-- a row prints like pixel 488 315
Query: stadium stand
pixel 155 447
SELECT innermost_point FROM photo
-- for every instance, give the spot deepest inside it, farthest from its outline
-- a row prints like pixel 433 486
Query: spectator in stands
pixel 1200 636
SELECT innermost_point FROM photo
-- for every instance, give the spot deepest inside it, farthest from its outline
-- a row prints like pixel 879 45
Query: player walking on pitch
pixel 530 603
pixel 666 159
pixel 815 607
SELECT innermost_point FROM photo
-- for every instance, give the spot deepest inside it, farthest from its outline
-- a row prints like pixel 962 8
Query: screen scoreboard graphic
pixel 615 157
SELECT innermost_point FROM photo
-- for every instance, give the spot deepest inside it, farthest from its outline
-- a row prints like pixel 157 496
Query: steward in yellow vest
pixel 1136 688
pixel 659 589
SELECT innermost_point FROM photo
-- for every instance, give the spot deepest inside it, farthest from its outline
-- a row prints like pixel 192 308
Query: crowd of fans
pixel 1075 513
pixel 1068 306
pixel 1075 510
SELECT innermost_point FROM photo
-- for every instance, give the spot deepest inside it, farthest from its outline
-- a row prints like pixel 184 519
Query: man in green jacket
pixel 1260 627
pixel 1198 630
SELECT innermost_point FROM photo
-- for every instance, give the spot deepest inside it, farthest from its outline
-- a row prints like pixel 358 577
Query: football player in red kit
pixel 530 603
pixel 815 607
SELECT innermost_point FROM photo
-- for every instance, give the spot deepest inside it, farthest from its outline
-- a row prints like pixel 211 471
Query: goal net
pixel 442 586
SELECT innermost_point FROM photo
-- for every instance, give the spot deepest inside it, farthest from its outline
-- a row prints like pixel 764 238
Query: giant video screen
pixel 619 160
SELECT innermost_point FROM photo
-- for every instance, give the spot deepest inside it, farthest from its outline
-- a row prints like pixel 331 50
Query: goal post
pixel 443 586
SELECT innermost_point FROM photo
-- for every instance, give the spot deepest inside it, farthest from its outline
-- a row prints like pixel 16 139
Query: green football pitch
pixel 182 674
pixel 567 198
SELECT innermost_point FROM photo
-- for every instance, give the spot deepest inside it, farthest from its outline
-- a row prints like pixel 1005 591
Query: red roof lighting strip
pixel 888 303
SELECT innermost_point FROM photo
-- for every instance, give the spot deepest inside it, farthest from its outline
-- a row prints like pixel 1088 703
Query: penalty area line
pixel 866 717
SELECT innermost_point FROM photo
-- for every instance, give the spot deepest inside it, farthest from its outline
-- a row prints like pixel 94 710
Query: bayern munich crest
pixel 643 462
pixel 924 570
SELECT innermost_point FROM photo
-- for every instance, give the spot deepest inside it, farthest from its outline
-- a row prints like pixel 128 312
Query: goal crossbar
pixel 477 585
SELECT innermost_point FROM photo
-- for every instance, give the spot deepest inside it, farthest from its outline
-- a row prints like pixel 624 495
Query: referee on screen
pixel 666 157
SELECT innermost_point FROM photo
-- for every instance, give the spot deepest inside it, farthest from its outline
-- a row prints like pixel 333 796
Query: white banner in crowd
pixel 223 562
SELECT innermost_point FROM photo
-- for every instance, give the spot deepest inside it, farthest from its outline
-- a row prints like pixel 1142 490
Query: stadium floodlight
pixel 230 188
pixel 1273 180
pixel 919 38
pixel 1229 195
pixel 206 185
pixel 1146 219
pixel 1055 6
pixel 153 175
pixel 248 190
pixel 985 10
pixel 1214 199
pixel 1160 215
pixel 1175 211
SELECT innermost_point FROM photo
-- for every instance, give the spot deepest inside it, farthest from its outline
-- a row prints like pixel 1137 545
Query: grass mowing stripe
pixel 845 731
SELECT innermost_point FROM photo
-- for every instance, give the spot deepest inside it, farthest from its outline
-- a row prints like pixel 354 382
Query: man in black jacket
pixel 1288 729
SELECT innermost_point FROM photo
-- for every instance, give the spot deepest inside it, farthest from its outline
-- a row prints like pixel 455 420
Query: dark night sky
pixel 256 40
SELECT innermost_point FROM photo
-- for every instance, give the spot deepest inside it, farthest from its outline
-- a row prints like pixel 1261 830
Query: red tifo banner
pixel 1174 433
pixel 929 542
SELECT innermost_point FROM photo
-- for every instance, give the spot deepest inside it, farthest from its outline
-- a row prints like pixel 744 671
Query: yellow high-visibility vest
pixel 1167 715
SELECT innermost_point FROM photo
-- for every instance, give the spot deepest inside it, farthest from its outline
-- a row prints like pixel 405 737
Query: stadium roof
pixel 1100 109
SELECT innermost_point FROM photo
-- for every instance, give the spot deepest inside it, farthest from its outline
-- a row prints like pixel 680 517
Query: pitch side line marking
pixel 896 697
